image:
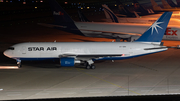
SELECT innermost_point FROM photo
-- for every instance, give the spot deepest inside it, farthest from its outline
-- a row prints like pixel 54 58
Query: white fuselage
pixel 58 49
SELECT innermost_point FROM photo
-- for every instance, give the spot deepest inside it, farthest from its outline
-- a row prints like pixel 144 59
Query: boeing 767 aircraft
pixel 70 53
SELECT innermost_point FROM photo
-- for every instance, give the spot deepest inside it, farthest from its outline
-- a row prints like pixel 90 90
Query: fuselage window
pixel 11 48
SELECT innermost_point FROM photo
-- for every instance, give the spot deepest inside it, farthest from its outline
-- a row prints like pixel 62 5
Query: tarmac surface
pixel 154 74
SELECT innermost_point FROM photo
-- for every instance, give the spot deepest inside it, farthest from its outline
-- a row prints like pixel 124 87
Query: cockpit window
pixel 11 48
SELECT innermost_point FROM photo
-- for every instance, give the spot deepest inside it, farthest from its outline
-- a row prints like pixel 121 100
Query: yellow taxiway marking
pixel 109 82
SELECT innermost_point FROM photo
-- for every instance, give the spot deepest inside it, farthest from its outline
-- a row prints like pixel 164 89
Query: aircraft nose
pixel 7 53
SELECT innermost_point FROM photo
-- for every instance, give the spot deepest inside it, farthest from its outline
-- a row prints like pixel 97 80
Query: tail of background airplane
pixel 139 8
pixel 59 14
pixel 178 3
pixel 156 32
pixel 109 14
pixel 62 20
pixel 171 3
pixel 166 5
pixel 82 18
pixel 151 10
pixel 155 6
pixel 123 10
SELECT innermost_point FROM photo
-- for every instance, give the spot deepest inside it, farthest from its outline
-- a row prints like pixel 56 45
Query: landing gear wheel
pixel 19 65
pixel 93 67
pixel 88 67
pixel 85 63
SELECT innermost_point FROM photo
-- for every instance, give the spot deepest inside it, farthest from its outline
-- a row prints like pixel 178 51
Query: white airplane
pixel 110 16
pixel 70 53
pixel 166 6
pixel 116 31
pixel 172 3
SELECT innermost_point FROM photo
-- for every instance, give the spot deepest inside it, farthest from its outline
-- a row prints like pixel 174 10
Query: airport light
pixel 87 7
pixel 24 2
pixel 35 7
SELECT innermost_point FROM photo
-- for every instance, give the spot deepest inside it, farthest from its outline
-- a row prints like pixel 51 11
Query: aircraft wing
pixel 51 25
pixel 113 32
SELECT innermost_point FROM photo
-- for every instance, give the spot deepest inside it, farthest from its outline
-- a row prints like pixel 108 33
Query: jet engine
pixel 67 62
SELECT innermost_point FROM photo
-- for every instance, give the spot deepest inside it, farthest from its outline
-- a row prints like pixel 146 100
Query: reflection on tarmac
pixel 9 67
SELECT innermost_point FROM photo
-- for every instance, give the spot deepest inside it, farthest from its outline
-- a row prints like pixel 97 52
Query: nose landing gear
pixel 19 63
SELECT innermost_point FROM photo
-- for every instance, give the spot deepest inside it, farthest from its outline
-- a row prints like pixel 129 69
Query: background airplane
pixel 110 15
pixel 116 31
pixel 70 53
pixel 166 6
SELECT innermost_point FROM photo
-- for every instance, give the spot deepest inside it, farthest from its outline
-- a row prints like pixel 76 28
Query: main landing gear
pixel 89 64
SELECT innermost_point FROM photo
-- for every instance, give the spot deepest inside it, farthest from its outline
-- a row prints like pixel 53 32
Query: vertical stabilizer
pixel 109 14
pixel 156 32
pixel 62 20
pixel 82 17
pixel 171 3
pixel 139 8
pixel 124 10
pixel 166 5
pixel 59 14
pixel 151 11
pixel 137 16
pixel 178 3
pixel 155 6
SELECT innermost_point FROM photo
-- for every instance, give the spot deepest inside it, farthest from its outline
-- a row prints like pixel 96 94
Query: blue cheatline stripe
pixel 113 17
pixel 105 58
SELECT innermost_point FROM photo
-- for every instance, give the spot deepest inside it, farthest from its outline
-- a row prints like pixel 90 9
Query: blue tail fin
pixel 156 31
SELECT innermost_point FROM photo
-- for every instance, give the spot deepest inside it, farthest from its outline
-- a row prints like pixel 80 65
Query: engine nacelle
pixel 68 62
